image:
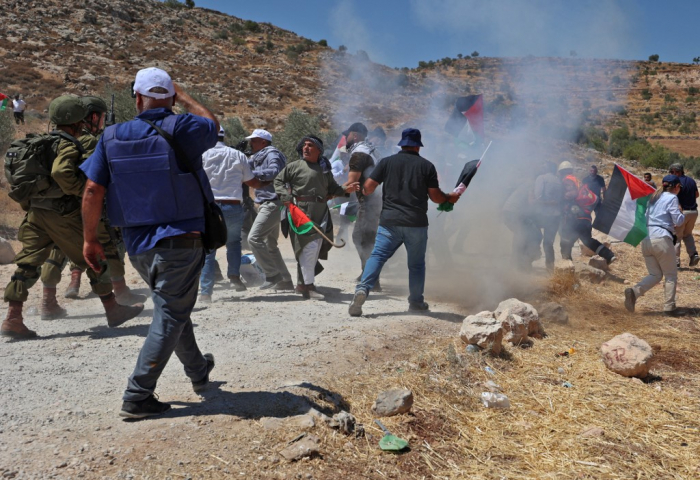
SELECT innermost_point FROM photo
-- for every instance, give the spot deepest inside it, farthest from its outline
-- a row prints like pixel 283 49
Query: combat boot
pixel 124 295
pixel 50 309
pixel 118 314
pixel 13 326
pixel 74 286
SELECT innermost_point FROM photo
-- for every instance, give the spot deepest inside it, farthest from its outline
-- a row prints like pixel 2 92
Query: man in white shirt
pixel 227 170
pixel 18 108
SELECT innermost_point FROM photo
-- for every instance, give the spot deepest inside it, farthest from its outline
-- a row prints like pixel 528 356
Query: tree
pixel 297 125
pixel 323 42
pixel 696 60
pixel 189 3
pixel 475 53
pixel 459 55
pixel 654 58
pixel 235 132
pixel 342 49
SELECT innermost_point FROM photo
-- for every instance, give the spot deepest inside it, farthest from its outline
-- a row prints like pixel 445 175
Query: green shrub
pixel 669 98
pixel 236 40
pixel 124 103
pixel 646 94
pixel 251 26
pixel 173 4
pixel 260 49
pixel 475 54
pixel 323 43
pixel 654 58
pixel 692 91
pixel 189 3
pixel 616 80
pixel 235 132
pixel 221 35
pixel 298 125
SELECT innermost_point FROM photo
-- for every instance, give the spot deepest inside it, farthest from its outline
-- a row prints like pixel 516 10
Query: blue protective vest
pixel 146 185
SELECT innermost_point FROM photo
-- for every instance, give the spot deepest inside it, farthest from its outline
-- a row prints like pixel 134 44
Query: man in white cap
pixel 266 162
pixel 150 171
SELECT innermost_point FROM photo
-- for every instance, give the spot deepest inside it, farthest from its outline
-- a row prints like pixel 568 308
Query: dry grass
pixel 650 430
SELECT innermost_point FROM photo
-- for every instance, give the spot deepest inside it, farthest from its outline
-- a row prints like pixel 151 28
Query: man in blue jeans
pixel 409 180
pixel 160 208
pixel 228 170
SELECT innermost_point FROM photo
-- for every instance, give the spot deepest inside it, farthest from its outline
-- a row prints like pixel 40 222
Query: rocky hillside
pixel 259 72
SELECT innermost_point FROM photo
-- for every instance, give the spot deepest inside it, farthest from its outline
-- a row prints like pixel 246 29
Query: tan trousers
pixel 660 258
pixel 685 233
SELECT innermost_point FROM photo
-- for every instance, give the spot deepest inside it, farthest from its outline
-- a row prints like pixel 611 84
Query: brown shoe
pixel 124 295
pixel 13 326
pixel 50 309
pixel 237 284
pixel 118 314
pixel 73 289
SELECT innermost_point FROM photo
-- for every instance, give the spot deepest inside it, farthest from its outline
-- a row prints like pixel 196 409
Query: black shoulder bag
pixel 215 232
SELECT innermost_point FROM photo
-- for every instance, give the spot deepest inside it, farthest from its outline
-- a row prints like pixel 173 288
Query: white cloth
pixel 664 215
pixel 18 105
pixel 308 259
pixel 227 169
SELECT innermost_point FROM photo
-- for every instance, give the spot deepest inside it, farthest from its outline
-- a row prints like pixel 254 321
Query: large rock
pixel 393 402
pixel 554 313
pixel 7 254
pixel 484 330
pixel 627 355
pixel 527 312
pixel 516 327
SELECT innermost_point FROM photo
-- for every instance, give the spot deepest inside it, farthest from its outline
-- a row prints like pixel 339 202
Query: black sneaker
pixel 284 286
pixel 418 307
pixel 271 282
pixel 144 408
pixel 237 285
pixel 202 384
pixel 630 299
pixel 694 259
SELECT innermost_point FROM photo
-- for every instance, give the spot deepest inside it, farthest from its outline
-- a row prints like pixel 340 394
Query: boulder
pixel 627 355
pixel 589 273
pixel 7 253
pixel 306 447
pixel 599 262
pixel 516 328
pixel 528 313
pixel 484 330
pixel 554 313
pixel 393 402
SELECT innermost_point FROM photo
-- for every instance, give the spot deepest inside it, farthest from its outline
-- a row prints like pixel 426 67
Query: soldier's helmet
pixel 66 110
pixel 565 165
pixel 93 104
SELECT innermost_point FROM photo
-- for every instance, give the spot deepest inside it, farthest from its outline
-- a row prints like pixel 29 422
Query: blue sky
pixel 402 32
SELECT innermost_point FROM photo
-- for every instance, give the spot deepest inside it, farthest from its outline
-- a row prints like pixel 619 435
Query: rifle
pixel 110 120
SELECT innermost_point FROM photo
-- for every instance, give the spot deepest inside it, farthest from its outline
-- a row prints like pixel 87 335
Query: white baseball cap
pixel 260 133
pixel 150 78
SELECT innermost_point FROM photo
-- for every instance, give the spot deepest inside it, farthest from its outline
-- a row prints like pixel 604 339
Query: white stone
pixel 484 330
pixel 627 355
pixel 528 313
pixel 7 253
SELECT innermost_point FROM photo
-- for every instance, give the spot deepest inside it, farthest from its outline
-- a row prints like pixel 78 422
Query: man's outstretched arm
pixel 93 200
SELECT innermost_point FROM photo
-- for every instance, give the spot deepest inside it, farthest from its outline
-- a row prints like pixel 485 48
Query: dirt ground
pixel 279 356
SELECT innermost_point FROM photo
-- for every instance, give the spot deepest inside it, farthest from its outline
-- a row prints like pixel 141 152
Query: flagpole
pixel 487 149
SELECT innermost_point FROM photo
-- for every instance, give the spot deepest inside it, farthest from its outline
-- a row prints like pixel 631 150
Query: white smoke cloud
pixel 352 30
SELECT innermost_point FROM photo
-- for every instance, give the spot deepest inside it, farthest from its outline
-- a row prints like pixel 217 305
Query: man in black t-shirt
pixel 409 180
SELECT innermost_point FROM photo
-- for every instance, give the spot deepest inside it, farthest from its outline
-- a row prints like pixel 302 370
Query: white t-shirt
pixel 19 105
pixel 227 169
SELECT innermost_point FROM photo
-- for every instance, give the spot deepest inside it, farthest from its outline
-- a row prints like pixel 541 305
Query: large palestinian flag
pixel 468 110
pixel 622 215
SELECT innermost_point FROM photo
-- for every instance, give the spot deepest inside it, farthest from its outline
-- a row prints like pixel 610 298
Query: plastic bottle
pixel 490 370
pixel 495 400
pixel 473 348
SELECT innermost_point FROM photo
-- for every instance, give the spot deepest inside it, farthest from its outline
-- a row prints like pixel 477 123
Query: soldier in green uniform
pixel 93 126
pixel 54 218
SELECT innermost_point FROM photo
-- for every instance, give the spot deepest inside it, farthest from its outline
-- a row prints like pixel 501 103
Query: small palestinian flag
pixel 299 222
pixel 468 110
pixel 349 210
pixel 340 148
pixel 622 215
pixel 3 101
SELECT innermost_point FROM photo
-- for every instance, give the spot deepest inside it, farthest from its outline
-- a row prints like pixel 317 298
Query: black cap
pixel 356 127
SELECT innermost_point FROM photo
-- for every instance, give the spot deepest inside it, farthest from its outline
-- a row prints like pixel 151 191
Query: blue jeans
pixel 171 274
pixel 233 214
pixel 389 239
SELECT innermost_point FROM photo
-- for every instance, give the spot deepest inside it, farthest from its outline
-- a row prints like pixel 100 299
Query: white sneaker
pixel 355 309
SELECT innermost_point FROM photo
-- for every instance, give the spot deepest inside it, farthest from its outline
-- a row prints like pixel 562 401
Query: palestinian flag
pixel 3 101
pixel 349 210
pixel 340 148
pixel 622 215
pixel 468 110
pixel 299 222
